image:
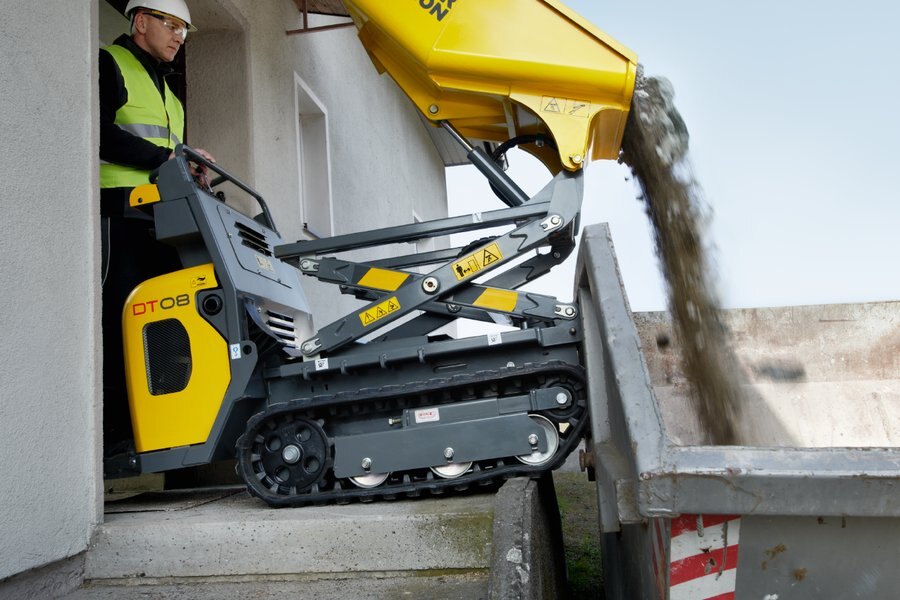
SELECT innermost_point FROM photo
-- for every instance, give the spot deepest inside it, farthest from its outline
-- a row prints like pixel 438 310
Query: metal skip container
pixel 809 508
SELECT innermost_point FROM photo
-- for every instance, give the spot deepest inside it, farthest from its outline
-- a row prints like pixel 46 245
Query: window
pixel 314 165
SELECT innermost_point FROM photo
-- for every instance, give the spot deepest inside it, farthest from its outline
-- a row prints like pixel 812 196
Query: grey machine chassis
pixel 330 419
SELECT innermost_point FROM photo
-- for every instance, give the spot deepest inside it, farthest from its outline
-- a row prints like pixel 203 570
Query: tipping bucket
pixel 497 69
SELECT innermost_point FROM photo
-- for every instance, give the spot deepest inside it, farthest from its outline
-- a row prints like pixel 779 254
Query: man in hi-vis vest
pixel 141 122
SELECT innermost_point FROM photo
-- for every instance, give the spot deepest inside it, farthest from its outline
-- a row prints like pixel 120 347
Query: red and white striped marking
pixel 702 556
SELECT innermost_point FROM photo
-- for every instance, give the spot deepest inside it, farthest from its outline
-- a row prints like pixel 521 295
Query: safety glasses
pixel 174 25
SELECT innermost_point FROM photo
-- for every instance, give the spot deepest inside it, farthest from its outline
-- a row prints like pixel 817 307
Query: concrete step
pixel 473 586
pixel 223 543
pixel 227 533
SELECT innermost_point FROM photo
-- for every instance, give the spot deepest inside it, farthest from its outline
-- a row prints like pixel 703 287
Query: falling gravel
pixel 655 146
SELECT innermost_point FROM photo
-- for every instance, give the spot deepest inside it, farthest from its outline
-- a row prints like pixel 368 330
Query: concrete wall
pixel 49 277
pixel 110 23
pixel 242 72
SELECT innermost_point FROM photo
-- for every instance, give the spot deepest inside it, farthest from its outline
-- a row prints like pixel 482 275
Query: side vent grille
pixel 283 327
pixel 253 239
pixel 167 351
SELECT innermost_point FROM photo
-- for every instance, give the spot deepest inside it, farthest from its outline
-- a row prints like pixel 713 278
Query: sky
pixel 794 114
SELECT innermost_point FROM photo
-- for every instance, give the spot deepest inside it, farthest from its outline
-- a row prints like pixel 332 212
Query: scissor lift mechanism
pixel 447 292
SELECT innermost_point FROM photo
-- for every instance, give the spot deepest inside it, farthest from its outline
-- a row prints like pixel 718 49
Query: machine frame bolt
pixel 290 454
pixel 533 439
pixel 366 463
pixel 576 158
pixel 308 265
pixel 562 398
pixel 434 109
pixel 585 460
pixel 565 310
pixel 448 453
pixel 430 285
pixel 551 222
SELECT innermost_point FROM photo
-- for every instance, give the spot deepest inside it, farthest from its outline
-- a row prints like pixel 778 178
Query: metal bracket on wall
pixel 303 6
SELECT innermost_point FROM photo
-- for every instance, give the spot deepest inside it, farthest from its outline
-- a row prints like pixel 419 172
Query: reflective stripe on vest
pixel 145 115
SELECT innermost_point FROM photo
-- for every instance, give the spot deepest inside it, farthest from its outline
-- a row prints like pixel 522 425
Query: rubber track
pixel 408 488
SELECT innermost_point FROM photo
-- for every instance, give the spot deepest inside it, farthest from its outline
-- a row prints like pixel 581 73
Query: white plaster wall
pixel 383 164
pixel 218 118
pixel 383 168
pixel 49 270
pixel 111 24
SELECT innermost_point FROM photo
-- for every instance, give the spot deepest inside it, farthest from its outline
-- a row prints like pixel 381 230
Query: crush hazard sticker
pixel 470 265
pixel 379 311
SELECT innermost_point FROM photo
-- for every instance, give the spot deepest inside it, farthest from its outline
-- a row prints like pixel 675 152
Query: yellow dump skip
pixel 497 69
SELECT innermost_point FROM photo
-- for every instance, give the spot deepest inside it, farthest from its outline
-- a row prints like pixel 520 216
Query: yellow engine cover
pixel 176 364
pixel 472 62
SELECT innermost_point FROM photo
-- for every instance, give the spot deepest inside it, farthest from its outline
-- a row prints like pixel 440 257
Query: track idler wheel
pixel 371 481
pixel 538 458
pixel 452 470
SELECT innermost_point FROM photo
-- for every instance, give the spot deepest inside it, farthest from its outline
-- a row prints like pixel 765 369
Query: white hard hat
pixel 176 8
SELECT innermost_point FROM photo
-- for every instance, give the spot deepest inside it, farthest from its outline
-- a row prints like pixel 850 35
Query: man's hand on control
pixel 198 171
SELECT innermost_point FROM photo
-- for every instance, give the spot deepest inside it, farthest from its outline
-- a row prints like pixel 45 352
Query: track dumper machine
pixel 221 361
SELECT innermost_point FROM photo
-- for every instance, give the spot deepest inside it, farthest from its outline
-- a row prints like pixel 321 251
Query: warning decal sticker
pixel 379 311
pixel 428 415
pixel 567 106
pixel 264 263
pixel 383 279
pixel 578 109
pixel 551 104
pixel 470 265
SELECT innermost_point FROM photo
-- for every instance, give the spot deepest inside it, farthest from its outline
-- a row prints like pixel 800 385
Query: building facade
pixel 305 119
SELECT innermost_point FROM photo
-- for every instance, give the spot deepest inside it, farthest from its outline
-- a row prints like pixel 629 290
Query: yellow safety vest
pixel 145 115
